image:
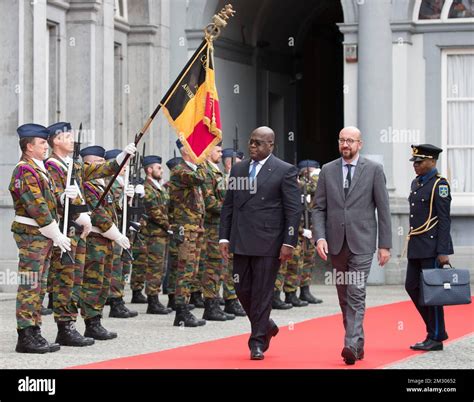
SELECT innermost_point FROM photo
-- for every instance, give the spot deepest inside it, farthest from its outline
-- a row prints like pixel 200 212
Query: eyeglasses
pixel 349 141
pixel 258 142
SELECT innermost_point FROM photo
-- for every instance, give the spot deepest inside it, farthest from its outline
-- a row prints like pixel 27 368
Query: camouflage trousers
pixel 309 262
pixel 170 275
pixel 34 253
pixel 227 280
pixel 67 280
pixel 96 278
pixel 120 274
pixel 137 280
pixel 210 263
pixel 289 275
pixel 47 279
pixel 187 270
pixel 156 247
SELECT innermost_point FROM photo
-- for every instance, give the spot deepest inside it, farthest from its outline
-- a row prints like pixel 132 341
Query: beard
pixel 347 153
pixel 156 176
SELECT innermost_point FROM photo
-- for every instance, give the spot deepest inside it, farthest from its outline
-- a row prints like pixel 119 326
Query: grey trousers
pixel 352 271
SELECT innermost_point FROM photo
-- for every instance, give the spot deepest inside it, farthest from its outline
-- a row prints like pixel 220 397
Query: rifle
pixel 236 146
pixel 69 226
pixel 305 202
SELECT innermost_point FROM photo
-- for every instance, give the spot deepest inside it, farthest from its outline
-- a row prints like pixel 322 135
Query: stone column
pixel 375 79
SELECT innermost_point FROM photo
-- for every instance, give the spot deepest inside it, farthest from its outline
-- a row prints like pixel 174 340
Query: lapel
pixel 265 172
pixel 339 181
pixel 357 174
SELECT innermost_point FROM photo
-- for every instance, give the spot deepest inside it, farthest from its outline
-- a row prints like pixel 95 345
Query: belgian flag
pixel 192 108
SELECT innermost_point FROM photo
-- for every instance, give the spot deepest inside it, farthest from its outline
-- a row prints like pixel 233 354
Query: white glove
pixel 115 235
pixel 170 232
pixel 123 242
pixel 315 172
pixel 71 192
pixel 130 149
pixel 129 191
pixel 140 190
pixel 85 221
pixel 307 233
pixel 52 232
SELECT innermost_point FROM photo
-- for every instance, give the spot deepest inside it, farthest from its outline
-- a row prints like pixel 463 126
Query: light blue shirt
pixel 344 168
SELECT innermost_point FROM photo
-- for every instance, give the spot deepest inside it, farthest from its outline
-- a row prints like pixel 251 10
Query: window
pixel 461 9
pixel 121 9
pixel 458 119
pixel 443 10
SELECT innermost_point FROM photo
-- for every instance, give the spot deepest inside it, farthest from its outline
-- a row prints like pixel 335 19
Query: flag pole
pixel 212 31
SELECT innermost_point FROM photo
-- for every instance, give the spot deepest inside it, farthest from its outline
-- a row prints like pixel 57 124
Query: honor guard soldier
pixel 99 245
pixel 211 264
pixel 187 211
pixel 429 238
pixel 121 264
pixel 156 233
pixel 35 230
pixel 169 282
pixel 231 302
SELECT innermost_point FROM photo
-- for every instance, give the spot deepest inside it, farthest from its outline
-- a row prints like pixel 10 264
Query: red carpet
pixel 312 344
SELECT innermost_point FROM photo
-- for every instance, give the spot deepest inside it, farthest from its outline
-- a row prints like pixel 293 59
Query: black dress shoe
pixel 272 331
pixel 256 353
pixel 360 355
pixel 349 356
pixel 420 343
pixel 428 345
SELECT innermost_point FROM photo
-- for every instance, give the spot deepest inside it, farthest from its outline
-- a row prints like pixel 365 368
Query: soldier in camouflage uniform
pixel 231 302
pixel 211 261
pixel 35 229
pixel 156 233
pixel 187 218
pixel 99 246
pixel 121 263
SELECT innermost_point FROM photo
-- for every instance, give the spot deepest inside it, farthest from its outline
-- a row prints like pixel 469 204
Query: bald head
pixel 261 143
pixel 350 143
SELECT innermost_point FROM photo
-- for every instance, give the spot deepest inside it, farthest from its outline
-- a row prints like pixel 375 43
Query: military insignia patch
pixel 443 190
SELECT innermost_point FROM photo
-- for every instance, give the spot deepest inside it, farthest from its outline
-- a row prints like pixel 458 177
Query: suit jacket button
pixel 411 216
pixel 263 198
pixel 431 237
pixel 412 204
pixel 423 199
pixel 411 227
pixel 414 192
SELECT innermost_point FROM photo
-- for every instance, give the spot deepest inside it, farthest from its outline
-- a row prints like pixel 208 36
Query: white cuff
pixel 223 241
pixel 113 233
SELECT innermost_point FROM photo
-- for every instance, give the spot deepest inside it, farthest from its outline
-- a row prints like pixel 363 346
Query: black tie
pixel 347 182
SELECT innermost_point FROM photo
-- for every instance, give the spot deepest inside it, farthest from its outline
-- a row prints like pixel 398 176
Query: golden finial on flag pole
pixel 219 21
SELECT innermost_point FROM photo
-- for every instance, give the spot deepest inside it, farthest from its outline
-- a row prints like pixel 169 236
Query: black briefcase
pixel 444 287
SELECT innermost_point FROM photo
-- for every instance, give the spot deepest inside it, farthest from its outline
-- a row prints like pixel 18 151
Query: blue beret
pixel 308 163
pixel 95 150
pixel 229 153
pixel 150 160
pixel 173 162
pixel 112 154
pixel 179 144
pixel 32 130
pixel 60 127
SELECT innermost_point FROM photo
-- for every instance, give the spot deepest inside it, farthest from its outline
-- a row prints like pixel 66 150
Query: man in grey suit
pixel 349 191
pixel 260 219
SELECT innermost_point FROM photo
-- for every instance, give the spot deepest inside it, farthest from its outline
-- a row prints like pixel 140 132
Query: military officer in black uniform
pixel 429 239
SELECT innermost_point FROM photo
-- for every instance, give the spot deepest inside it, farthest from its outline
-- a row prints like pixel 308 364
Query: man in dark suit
pixel 349 191
pixel 259 219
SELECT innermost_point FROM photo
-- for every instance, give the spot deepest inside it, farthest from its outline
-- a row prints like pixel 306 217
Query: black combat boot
pixel 138 298
pixel 172 304
pixel 68 335
pixel 212 312
pixel 53 347
pixel 155 307
pixel 292 299
pixel 197 300
pixel 185 318
pixel 278 304
pixel 94 329
pixel 28 343
pixel 233 306
pixel 221 301
pixel 118 309
pixel 305 295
